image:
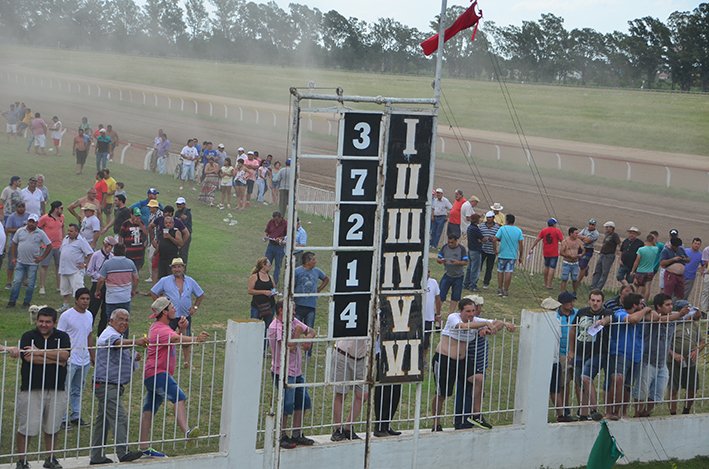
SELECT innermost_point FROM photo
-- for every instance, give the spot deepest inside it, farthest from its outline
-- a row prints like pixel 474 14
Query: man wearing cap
pixel 33 197
pixel 508 239
pixel 179 288
pixel 11 196
pixel 221 155
pixel 552 236
pixel 120 276
pixel 208 152
pixel 184 215
pixel 500 217
pixel 134 236
pixel 75 254
pixel 80 203
pixel 283 179
pixel 687 344
pixel 159 367
pixel 440 207
pixel 488 230
pixel 90 225
pixel 25 255
pixel 14 222
pixel 628 252
pixel 589 236
pixel 606 258
pixel 11 116
pixel 162 152
pixel 115 363
pixel 673 259
pixel 97 306
pixel 103 147
pixel 56 129
pixel 189 156
pixel 143 205
pixel 563 370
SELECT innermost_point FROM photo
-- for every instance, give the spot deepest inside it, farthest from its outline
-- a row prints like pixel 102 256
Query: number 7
pixel 361 175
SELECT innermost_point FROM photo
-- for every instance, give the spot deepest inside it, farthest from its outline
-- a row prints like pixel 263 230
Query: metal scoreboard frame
pixel 384 181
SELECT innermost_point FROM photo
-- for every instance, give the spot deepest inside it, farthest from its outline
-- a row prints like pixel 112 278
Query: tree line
pixel 652 53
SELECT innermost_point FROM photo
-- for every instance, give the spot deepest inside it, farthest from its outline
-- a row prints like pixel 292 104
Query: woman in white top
pixel 227 172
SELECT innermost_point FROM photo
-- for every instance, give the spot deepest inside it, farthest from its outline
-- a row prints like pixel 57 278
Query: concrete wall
pixel 529 443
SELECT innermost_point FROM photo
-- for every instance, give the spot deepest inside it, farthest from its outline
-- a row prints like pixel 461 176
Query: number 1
pixel 352 270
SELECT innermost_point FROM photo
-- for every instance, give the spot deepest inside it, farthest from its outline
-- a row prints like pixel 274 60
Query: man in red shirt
pixel 454 215
pixel 552 236
pixel 101 191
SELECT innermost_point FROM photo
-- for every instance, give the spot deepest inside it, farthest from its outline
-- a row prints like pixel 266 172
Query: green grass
pixel 670 122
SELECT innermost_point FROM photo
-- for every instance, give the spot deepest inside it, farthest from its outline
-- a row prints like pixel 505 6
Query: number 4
pixel 349 315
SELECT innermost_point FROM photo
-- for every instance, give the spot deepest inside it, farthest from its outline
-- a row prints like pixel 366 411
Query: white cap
pixel 490 214
pixel 240 149
pixel 33 217
pixel 180 200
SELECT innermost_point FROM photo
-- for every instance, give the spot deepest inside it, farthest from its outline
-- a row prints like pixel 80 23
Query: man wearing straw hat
pixel 499 216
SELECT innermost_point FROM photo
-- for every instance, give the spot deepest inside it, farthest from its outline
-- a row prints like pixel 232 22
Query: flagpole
pixel 439 56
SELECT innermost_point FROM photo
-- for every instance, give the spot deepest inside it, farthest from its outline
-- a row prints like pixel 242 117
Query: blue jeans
pixel 101 159
pixel 20 270
pixel 437 229
pixel 75 379
pixel 306 315
pixel 274 254
pixel 472 273
pixel 267 321
pixel 262 189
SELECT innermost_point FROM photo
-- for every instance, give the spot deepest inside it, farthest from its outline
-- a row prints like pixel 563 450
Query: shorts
pixel 187 172
pixel 683 377
pixel 70 283
pixel 346 368
pixel 445 373
pixel 641 278
pixel 249 186
pixel 55 254
pixel 159 387
pixel 57 141
pixel 561 374
pixel 569 269
pixel 174 325
pixel 12 128
pixel 23 126
pixel 586 258
pixel 40 141
pixel 623 273
pixel 108 209
pixel 622 366
pixel 238 183
pixel 427 331
pixel 40 405
pixel 154 260
pixel 551 262
pixel 139 262
pixel 81 156
pixel 506 266
pixel 296 398
pixel 590 368
pixel 456 286
pixel 652 383
pixel 476 361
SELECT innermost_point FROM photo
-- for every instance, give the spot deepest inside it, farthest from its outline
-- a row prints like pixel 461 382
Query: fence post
pixel 329 127
pixel 256 111
pixel 182 105
pixel 109 94
pixel 498 151
pixel 226 111
pixel 593 166
pixel 144 98
pixel 123 154
pixel 99 91
pixel 169 102
pixel 274 119
pixel 529 156
pixel 443 145
pixel 669 176
pixel 156 99
pixel 558 162
pixel 241 114
pixel 120 94
pixel 470 148
pixel 210 109
pixel 195 107
pixel 628 177
pixel 88 89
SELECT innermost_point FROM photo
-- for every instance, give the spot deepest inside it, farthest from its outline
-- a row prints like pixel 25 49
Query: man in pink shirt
pixel 159 367
pixel 251 164
pixel 39 131
pixel 297 399
pixel 53 226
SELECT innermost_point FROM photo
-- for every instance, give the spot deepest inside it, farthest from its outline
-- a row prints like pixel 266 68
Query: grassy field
pixel 670 122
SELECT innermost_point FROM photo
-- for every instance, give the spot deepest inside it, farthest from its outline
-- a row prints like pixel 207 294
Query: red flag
pixel 464 21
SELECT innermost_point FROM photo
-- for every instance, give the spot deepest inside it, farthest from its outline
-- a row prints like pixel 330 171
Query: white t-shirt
pixel 57 130
pixel 466 210
pixel 78 326
pixel 189 152
pixel 3 239
pixel 89 225
pixel 33 201
pixel 73 252
pixel 461 335
pixel 432 290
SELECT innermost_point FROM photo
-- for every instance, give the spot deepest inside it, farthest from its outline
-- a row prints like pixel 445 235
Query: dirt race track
pixel 572 201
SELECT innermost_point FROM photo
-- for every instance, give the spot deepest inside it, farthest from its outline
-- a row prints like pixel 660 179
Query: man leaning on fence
pixel 42 399
pixel 115 362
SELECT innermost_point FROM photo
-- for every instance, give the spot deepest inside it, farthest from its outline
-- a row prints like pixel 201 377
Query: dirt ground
pixel 571 201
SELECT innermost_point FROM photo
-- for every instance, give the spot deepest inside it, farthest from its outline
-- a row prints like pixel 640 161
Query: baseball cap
pixel 32 179
pixel 152 190
pixel 674 232
pixel 288 162
pixel 180 200
pixel 240 149
pixel 552 221
pixel 490 214
pixel 20 202
pixel 102 130
pixel 12 105
pixel 250 153
pixel 159 306
pixel 221 145
pixel 592 221
pixel 609 223
pixel 33 217
pixel 565 297
pixel 136 211
pixel 110 240
pixel 439 190
pixel 679 304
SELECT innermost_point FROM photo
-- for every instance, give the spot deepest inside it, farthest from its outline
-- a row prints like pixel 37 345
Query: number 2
pixel 349 315
pixel 363 141
pixel 354 233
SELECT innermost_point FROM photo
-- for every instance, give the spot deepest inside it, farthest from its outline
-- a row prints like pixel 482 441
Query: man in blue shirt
pixel 301 240
pixel 306 281
pixel 508 246
pixel 208 153
pixel 143 206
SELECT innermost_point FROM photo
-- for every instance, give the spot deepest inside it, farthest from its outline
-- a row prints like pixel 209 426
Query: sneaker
pixel 9 287
pixel 505 294
pixel 596 415
pixel 566 418
pixel 80 423
pixel 151 453
pixel 286 442
pixel 499 292
pixel 338 435
pixel 248 204
pixel 52 463
pixel 474 289
pixel 25 305
pixel 65 426
pixel 10 304
pixel 350 434
pixel 148 280
pixel 485 287
pixel 265 203
pixel 437 428
pixel 301 440
pixel 193 433
pixel 41 291
pixel 479 422
pixel 105 460
pixel 22 464
pixel 584 418
pixel 575 297
pixel 132 456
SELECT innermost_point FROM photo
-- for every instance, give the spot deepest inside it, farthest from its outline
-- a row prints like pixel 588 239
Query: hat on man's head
pixel 20 202
pixel 592 221
pixel 473 199
pixel 496 206
pixel 177 261
pixel 490 214
pixel 12 105
pixel 103 130
pixel 221 145
pixel 609 223
pixel 32 179
pixel 159 306
pixel 88 206
pixel 565 297
pixel 632 228
pixel 110 240
pixel 679 304
pixel 552 221
pixel 33 217
pixel 180 200
pixel 137 212
pixel 288 162
pixel 250 153
pixel 153 203
pixel 152 190
pixel 240 149
pixel 439 190
pixel 674 232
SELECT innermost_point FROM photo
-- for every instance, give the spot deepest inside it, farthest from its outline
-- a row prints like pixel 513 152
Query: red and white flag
pixel 464 21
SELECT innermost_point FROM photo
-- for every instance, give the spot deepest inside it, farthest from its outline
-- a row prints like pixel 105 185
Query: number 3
pixel 363 141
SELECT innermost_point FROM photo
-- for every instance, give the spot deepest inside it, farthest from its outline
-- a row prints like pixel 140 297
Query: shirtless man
pixel 114 142
pixel 89 199
pixel 80 151
pixel 571 250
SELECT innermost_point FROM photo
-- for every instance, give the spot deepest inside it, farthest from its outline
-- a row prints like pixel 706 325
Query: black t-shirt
pixel 629 251
pixel 166 248
pixel 44 376
pixel 121 215
pixel 587 345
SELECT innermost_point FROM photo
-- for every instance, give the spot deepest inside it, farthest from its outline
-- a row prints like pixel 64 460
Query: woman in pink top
pixel 53 226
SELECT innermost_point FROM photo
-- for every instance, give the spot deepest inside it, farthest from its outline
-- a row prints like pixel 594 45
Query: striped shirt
pixel 488 232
